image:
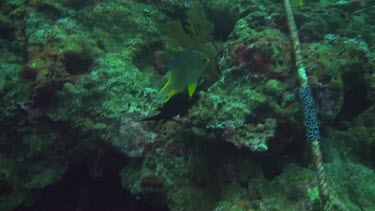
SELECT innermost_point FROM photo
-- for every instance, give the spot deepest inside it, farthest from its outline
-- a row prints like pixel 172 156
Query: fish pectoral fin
pixel 172 93
pixel 191 88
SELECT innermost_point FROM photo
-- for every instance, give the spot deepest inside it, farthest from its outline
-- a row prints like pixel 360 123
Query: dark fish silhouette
pixel 178 104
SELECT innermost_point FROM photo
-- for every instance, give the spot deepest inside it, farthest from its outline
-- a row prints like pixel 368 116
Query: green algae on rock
pixel 76 78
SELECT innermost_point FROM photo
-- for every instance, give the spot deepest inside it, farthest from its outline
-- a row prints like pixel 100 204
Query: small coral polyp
pixel 251 58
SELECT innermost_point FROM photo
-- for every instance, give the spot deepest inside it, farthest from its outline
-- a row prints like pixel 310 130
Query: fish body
pixel 184 72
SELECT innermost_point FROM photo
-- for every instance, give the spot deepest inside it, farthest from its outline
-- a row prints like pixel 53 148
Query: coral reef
pixel 248 116
pixel 77 78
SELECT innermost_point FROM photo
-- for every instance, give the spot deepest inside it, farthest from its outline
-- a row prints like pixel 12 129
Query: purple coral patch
pixel 251 58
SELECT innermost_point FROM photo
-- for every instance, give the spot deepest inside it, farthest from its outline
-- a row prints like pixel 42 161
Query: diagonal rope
pixel 330 202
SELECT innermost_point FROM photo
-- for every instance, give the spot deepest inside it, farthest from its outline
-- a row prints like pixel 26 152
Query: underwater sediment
pixel 84 125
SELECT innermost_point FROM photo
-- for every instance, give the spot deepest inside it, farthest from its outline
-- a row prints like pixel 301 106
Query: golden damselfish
pixel 184 72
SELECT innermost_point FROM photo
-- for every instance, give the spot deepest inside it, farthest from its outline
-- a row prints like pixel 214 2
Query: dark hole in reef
pixel 77 190
pixel 50 10
pixel 224 23
pixel 7 33
pixel 251 119
pixel 46 95
pixel 259 115
pixel 77 65
pixel 355 97
pixel 176 13
pixel 286 146
pixel 145 57
pixel 5 188
pixel 79 4
pixel 269 163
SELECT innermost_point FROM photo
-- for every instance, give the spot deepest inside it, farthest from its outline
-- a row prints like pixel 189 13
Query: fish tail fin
pixel 152 118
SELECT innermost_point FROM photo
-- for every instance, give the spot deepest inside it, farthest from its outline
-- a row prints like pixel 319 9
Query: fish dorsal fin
pixel 187 54
pixel 172 64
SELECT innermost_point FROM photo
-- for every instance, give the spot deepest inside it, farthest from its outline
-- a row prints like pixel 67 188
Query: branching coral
pixel 197 31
